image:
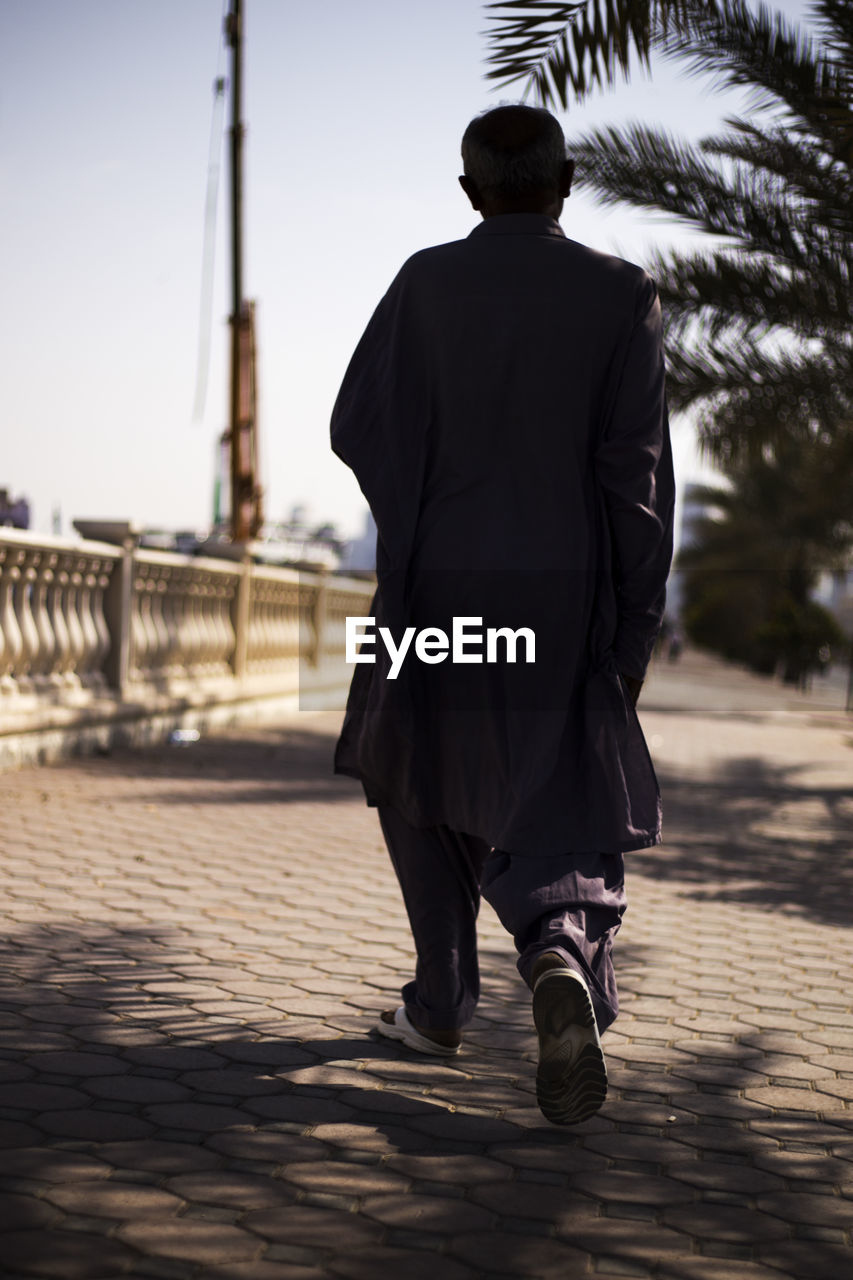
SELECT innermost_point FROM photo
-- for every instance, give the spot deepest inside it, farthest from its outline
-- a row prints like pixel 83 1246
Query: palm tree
pixel 759 325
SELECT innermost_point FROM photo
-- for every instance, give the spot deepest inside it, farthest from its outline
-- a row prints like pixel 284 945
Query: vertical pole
pixel 234 23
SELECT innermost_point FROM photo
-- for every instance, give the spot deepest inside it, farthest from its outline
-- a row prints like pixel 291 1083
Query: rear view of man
pixel 504 414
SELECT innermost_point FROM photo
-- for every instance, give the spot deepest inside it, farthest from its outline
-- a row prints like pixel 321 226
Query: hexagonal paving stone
pixel 461 1170
pixel 339 1177
pixel 407 1264
pixel 816 1210
pixel 235 1082
pixel 66 1255
pixel 807 1259
pixel 82 1065
pixel 714 1175
pixel 258 1270
pixel 200 1117
pixel 111 1198
pixel 29 1095
pixel 620 1187
pixel 303 1107
pixel 232 1189
pixel 315 1228
pixel 94 1126
pixel 783 1097
pixel 717 1269
pixel 725 1222
pixel 47 1164
pixel 26 1212
pixel 503 1253
pixel 202 1243
pixel 136 1088
pixel 427 1213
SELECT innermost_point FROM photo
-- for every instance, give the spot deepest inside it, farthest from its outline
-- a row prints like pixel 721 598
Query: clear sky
pixel 354 114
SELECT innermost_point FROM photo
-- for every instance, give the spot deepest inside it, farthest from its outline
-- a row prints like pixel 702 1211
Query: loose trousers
pixel 572 904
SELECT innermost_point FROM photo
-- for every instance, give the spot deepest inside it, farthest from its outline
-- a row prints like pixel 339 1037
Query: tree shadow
pixel 135 1122
pixel 262 766
pixel 752 832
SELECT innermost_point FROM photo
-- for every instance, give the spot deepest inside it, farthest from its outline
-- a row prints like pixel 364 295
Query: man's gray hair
pixel 513 150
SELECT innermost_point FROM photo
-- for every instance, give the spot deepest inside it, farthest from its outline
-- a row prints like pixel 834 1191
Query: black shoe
pixel 571 1080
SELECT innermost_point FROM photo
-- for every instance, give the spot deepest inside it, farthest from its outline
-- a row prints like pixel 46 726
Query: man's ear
pixel 470 189
pixel 566 176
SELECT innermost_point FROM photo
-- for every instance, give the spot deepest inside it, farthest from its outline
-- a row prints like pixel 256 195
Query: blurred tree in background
pixel 758 324
pixel 749 570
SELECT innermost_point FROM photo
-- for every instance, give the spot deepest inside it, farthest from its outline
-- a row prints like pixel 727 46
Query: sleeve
pixel 633 466
pixel 380 422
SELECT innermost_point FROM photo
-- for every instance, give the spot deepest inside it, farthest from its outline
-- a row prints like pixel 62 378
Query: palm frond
pixel 776 61
pixel 805 167
pixel 556 47
pixel 705 295
pixel 835 21
pixel 649 169
pixel 749 398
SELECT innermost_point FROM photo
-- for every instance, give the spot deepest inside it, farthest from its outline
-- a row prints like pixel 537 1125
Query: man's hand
pixel 633 685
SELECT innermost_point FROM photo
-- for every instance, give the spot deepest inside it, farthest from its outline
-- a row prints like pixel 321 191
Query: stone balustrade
pixel 54 637
pixel 97 634
pixel 182 625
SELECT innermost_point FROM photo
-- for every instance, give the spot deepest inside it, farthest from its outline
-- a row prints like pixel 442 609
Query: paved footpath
pixel 197 941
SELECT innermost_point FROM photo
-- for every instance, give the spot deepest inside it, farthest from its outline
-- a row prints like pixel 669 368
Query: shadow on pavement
pixel 753 833
pixel 134 1125
pixel 271 766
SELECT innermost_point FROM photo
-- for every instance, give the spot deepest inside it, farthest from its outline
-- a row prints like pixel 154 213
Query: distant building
pixel 14 512
pixel 299 542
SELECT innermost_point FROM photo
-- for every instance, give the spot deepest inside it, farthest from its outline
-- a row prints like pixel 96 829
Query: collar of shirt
pixel 519 224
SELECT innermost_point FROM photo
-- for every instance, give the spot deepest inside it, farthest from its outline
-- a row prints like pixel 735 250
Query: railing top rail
pixel 311 578
pixel 205 564
pixel 50 542
pixel 342 582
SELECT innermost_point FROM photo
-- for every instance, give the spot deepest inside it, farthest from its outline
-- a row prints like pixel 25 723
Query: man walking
pixel 504 414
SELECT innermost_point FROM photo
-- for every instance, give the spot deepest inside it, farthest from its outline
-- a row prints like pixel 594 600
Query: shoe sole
pixel 571 1080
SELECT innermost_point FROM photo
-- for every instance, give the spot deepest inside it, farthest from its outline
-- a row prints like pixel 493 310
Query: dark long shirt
pixel 505 416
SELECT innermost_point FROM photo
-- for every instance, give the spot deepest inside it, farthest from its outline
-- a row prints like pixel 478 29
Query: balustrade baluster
pixel 10 632
pixel 43 668
pixel 172 613
pixel 207 632
pixel 159 628
pixel 89 657
pixel 138 629
pixel 22 594
pixel 56 610
pixel 71 608
pixel 218 614
pixel 193 639
pixel 251 625
pixel 102 570
pixel 290 619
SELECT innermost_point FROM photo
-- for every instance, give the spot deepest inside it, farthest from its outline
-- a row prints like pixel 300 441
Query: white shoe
pixel 398 1027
